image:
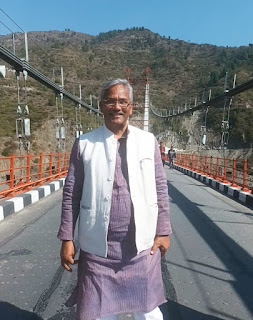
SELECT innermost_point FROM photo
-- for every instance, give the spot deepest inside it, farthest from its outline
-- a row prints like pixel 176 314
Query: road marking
pixel 34 195
pixel 56 185
pixel 18 203
pixel 47 190
pixel 1 213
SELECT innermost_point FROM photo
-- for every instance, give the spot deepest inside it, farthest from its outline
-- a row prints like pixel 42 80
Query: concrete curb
pixel 15 204
pixel 235 193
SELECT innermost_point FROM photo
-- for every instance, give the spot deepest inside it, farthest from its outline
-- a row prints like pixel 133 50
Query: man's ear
pixel 101 106
pixel 131 110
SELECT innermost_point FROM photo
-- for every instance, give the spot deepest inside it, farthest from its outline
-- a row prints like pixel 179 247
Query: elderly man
pixel 117 186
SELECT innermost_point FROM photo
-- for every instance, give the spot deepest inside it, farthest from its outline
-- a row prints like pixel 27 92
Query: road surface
pixel 208 272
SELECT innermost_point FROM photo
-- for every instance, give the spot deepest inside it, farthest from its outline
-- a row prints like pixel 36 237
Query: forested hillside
pixel 180 71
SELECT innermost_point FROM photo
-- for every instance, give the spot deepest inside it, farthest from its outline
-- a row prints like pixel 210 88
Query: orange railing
pixel 231 171
pixel 22 173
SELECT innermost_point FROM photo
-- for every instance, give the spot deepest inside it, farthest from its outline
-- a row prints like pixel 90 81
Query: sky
pixel 218 22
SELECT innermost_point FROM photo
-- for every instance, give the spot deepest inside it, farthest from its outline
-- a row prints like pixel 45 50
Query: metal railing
pixel 231 171
pixel 22 173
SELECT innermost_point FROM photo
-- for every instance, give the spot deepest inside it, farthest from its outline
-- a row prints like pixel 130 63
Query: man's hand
pixel 67 254
pixel 161 242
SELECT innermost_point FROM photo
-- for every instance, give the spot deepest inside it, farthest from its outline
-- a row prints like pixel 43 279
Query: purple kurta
pixel 124 281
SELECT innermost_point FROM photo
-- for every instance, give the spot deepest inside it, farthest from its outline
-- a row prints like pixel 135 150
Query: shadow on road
pixel 66 315
pixel 175 311
pixel 238 261
pixel 15 253
pixel 172 310
pixel 10 312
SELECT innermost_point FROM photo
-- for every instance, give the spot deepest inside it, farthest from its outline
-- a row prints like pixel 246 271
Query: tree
pixel 85 47
pixel 214 77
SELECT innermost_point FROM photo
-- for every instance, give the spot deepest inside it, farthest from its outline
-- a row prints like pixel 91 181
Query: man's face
pixel 114 115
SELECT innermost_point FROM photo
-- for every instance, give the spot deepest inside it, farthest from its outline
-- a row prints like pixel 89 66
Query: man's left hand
pixel 161 242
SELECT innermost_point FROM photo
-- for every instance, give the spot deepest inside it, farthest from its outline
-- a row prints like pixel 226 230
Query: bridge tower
pixel 127 73
pixel 146 108
pixel 79 128
pixel 226 115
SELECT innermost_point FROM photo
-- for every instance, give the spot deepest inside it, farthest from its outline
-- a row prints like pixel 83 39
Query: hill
pixel 180 71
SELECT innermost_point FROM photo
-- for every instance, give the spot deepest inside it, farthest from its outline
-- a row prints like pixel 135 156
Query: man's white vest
pixel 98 150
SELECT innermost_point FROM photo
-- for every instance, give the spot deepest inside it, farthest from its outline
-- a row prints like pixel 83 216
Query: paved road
pixel 211 256
pixel 207 273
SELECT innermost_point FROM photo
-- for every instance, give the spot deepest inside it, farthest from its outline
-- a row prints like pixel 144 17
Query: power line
pixel 11 19
pixel 10 30
pixel 41 50
pixel 7 27
pixel 27 35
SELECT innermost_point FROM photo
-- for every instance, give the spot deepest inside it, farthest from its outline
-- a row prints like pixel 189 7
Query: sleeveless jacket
pixel 98 151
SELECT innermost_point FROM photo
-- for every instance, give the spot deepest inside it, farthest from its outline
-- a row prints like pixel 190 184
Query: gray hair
pixel 114 82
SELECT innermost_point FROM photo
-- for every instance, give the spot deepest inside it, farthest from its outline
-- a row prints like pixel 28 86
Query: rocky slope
pixel 180 71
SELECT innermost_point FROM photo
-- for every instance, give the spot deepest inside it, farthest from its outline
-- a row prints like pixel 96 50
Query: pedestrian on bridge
pixel 162 151
pixel 172 156
pixel 117 187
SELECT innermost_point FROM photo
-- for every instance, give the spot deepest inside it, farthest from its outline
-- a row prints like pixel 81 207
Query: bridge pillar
pixel 146 109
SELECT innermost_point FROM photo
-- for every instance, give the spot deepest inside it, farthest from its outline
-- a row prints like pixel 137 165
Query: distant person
pixel 20 183
pixel 8 177
pixel 172 157
pixel 117 187
pixel 162 152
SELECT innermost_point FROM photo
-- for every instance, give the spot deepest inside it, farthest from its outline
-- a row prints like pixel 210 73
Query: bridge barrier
pixel 234 172
pixel 22 173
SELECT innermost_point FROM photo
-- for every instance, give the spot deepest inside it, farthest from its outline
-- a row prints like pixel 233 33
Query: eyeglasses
pixel 110 103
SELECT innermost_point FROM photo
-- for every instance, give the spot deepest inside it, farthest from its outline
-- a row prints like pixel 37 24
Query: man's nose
pixel 117 105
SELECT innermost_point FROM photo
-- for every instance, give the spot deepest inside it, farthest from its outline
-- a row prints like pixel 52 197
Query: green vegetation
pixel 179 71
pixel 9 148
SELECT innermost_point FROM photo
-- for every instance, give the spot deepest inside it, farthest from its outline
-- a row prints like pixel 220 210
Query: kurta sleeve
pixel 72 193
pixel 163 223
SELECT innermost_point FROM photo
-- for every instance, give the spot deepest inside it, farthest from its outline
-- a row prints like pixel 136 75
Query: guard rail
pixel 235 172
pixel 22 173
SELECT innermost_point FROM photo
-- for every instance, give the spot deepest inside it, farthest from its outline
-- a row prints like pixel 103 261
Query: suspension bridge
pixel 208 271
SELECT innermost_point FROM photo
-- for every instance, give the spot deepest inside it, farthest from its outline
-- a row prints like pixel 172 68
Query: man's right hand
pixel 67 254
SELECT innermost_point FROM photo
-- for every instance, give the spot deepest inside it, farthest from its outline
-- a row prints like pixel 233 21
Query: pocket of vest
pixel 87 216
pixel 85 207
pixel 145 162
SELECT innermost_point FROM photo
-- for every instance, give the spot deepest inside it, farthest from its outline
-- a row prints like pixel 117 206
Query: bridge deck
pixel 207 272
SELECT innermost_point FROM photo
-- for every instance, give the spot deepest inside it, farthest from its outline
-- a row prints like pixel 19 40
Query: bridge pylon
pixel 147 103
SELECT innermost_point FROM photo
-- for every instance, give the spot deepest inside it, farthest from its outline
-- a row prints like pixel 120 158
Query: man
pixel 117 186
pixel 162 152
pixel 171 156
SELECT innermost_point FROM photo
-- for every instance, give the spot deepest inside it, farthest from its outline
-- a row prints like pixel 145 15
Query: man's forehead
pixel 117 89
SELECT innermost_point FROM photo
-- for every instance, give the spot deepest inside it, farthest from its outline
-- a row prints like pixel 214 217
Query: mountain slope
pixel 179 72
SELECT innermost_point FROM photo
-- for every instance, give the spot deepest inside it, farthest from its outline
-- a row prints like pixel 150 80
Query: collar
pixel 108 134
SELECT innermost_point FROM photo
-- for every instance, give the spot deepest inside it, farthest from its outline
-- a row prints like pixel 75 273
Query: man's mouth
pixel 116 114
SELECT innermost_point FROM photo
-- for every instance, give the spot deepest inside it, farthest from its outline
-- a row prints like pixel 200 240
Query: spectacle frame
pixel 110 103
